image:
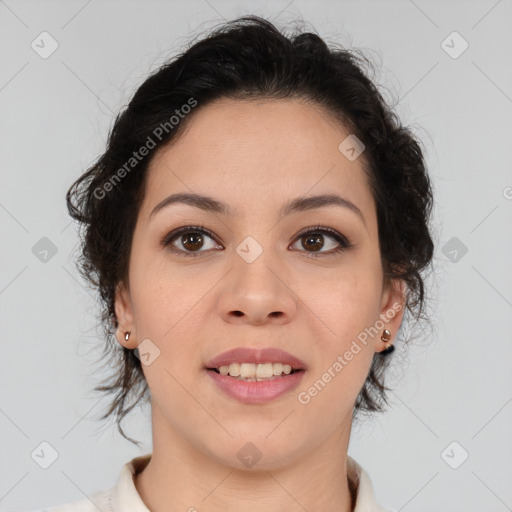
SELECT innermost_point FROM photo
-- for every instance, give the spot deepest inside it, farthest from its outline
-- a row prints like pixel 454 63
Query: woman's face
pixel 256 281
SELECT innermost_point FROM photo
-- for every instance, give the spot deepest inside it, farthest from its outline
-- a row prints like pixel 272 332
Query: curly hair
pixel 249 58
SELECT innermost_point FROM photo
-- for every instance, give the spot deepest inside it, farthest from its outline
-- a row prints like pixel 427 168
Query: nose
pixel 256 293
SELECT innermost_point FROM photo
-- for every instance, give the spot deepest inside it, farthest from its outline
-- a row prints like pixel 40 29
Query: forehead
pixel 253 121
pixel 261 150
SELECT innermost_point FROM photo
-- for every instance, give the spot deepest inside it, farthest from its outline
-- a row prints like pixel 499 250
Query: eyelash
pixel 342 240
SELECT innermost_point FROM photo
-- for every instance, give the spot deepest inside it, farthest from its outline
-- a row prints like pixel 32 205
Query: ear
pixel 392 308
pixel 124 315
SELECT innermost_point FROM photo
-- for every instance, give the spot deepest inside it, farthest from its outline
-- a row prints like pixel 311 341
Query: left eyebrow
pixel 298 204
pixel 309 203
pixel 208 204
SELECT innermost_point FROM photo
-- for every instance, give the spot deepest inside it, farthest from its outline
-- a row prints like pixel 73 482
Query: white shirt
pixel 123 496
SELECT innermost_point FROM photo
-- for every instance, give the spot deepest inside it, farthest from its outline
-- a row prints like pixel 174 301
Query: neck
pixel 180 476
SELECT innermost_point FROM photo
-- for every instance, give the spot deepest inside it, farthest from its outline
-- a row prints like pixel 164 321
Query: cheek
pixel 171 308
pixel 171 317
pixel 162 296
pixel 346 299
pixel 347 304
pixel 345 348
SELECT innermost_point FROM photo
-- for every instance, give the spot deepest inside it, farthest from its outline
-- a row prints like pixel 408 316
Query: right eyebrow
pixel 298 204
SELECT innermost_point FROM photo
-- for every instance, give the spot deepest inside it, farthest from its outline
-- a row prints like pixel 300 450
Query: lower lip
pixel 256 392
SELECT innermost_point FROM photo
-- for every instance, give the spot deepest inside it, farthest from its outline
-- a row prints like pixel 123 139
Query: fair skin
pixel 255 157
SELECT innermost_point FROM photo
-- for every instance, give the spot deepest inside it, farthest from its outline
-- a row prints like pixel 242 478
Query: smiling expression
pixel 255 231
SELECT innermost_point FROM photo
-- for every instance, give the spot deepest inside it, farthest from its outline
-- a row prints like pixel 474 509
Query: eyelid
pixel 342 240
pixel 324 229
pixel 166 240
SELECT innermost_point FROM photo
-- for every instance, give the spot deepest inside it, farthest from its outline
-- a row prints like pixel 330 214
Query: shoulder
pixel 120 497
pixel 362 489
pixel 99 500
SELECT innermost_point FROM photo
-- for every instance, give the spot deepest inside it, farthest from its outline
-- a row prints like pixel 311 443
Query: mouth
pixel 252 384
pixel 249 372
pixel 249 362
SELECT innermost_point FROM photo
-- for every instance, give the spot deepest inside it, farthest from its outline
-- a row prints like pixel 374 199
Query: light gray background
pixel 56 113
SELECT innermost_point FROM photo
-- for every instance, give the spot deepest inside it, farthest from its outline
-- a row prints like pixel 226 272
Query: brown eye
pixel 189 241
pixel 192 241
pixel 313 241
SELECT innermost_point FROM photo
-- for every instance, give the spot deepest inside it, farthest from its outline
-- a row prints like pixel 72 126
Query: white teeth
pixel 250 371
pixel 234 369
pixel 278 368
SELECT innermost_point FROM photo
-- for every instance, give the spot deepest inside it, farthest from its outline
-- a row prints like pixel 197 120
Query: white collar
pixel 125 498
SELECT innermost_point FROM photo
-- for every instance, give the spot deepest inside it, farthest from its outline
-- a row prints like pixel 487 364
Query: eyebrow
pixel 299 204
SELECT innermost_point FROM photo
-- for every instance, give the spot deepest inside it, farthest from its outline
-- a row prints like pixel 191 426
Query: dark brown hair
pixel 248 58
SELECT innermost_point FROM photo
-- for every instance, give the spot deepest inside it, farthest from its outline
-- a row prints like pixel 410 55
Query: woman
pixel 257 229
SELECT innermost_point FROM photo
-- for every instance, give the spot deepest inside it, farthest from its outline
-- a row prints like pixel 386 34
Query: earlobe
pixel 391 314
pixel 124 314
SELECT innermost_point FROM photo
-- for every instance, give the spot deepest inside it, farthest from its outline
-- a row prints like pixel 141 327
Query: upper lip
pixel 256 356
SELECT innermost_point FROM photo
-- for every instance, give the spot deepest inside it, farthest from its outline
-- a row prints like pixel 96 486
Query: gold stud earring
pixel 127 336
pixel 386 337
